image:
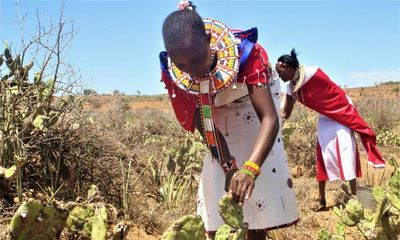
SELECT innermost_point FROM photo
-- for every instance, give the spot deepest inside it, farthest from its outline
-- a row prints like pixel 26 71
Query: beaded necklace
pixel 224 46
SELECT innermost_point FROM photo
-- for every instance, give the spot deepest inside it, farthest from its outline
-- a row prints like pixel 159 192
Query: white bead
pixel 259 84
pixel 173 95
pixel 234 87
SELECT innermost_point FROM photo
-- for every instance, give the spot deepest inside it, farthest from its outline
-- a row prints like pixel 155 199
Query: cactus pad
pixel 223 232
pixel 353 212
pixel 231 212
pixel 189 227
pixel 36 220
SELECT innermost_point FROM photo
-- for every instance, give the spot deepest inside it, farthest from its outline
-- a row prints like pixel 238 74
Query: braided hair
pixel 181 24
pixel 290 60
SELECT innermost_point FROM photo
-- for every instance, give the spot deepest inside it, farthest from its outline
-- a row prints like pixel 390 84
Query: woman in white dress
pixel 218 82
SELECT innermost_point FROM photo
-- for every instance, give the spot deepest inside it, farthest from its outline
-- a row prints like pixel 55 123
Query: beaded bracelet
pixel 252 167
pixel 248 172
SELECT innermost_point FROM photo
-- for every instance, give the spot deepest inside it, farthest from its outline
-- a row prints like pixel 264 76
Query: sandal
pixel 320 205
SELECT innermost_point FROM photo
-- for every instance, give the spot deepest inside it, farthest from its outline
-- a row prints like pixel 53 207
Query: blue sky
pixel 357 43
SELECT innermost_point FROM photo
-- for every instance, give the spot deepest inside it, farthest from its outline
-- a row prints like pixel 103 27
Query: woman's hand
pixel 241 187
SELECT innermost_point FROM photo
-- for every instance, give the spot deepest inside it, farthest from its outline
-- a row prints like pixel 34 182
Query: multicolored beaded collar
pixel 224 44
pixel 225 47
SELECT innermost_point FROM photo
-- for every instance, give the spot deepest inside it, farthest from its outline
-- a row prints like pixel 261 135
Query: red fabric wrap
pixel 324 96
pixel 184 104
pixel 258 59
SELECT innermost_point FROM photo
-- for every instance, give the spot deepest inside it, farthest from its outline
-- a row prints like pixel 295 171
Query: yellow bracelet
pixel 253 165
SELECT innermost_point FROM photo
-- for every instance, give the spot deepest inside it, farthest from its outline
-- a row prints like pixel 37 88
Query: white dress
pixel 273 202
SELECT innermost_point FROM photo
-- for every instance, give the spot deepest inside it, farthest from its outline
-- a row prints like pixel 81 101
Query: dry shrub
pixel 162 154
pixel 301 142
pixel 380 113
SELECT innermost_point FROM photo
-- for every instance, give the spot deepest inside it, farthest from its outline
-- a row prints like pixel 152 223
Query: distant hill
pixel 389 90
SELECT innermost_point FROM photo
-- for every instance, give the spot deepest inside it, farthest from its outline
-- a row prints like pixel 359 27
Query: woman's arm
pixel 242 185
pixel 287 105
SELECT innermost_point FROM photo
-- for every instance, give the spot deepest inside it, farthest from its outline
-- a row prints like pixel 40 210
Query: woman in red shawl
pixel 337 154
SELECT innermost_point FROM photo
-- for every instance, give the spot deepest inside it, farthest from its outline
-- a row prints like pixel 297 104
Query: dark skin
pixel 193 55
pixel 286 73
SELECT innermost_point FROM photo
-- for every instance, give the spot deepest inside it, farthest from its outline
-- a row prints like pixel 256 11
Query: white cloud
pixel 370 78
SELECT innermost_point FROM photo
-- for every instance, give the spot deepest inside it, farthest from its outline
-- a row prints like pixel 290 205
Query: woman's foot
pixel 320 205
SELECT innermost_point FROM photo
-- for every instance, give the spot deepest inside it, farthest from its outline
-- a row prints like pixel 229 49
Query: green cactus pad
pixel 393 199
pixel 240 234
pixel 99 228
pixel 231 212
pixel 394 182
pixel 324 234
pixel 223 232
pixel 340 228
pixel 36 220
pixel 189 227
pixel 353 212
pixel 378 193
pixel 368 214
pixel 80 219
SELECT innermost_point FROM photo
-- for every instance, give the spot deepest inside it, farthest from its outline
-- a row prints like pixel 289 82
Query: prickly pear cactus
pixel 231 212
pixel 240 234
pixel 79 219
pixel 223 232
pixel 189 227
pixel 99 227
pixel 353 212
pixel 324 234
pixel 36 220
pixel 88 220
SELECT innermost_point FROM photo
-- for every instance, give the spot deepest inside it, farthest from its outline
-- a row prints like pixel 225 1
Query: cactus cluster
pixel 191 227
pixel 37 220
pixel 381 224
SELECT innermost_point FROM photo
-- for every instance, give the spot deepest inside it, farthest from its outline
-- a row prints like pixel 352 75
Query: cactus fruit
pixel 231 212
pixel 189 227
pixel 35 220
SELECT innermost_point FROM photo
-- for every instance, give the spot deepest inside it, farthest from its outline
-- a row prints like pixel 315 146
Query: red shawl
pixel 324 96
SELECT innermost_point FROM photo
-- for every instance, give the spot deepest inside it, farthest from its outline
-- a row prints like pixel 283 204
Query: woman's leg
pixel 321 186
pixel 353 186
